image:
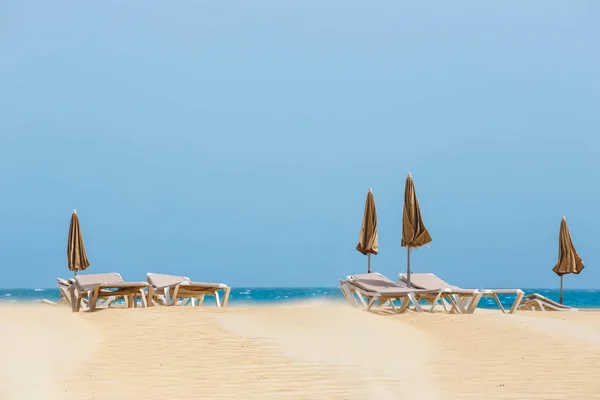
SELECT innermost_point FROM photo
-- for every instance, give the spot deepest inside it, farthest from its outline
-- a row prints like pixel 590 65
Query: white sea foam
pixel 38 290
pixel 8 294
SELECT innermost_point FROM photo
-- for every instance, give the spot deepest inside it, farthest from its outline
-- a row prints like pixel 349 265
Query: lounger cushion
pixel 432 281
pixel 428 281
pixel 113 279
pixel 374 282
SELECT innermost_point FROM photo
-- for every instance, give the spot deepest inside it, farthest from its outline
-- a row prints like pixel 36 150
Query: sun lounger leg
pixel 411 298
pixel 349 294
pixel 518 300
pixel 110 300
pixel 449 305
pixel 454 304
pixel 167 296
pixel 342 288
pixel 175 297
pixel 357 298
pixel 474 302
pixel 467 301
pixel 75 301
pixel 149 296
pixel 498 302
pixel 143 298
pixel 404 304
pixel 344 292
pixel 371 303
pixel 226 292
pixel 457 303
pixel 92 298
pixel 217 300
pixel 435 301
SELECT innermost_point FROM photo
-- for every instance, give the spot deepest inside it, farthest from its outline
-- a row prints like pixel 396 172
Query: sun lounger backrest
pixel 63 282
pixel 89 281
pixel 164 280
pixel 428 281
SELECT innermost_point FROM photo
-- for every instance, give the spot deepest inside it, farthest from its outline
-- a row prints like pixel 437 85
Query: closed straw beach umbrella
pixel 414 233
pixel 569 261
pixel 76 256
pixel 368 242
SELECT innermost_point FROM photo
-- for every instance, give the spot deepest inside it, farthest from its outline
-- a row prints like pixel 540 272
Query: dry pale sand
pixel 299 351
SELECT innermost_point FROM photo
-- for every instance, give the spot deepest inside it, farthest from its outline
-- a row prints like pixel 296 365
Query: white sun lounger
pixel 109 286
pixel 431 281
pixel 537 302
pixel 365 290
pixel 169 289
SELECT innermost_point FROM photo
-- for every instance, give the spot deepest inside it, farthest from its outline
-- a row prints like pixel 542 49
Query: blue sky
pixel 235 141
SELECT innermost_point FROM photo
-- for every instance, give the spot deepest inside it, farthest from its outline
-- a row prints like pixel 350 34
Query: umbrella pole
pixel 408 266
pixel 561 287
pixel 369 263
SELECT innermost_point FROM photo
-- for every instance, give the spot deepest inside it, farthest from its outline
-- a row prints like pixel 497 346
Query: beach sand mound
pixel 39 346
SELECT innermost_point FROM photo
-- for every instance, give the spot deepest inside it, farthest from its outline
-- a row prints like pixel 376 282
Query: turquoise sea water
pixel 246 296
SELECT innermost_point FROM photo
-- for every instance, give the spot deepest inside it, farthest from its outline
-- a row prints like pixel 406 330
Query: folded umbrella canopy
pixel 369 241
pixel 414 233
pixel 76 256
pixel 569 261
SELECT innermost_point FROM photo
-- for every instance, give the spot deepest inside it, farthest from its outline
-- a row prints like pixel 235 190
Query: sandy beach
pixel 318 350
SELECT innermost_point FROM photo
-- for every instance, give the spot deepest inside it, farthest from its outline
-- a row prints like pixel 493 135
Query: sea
pixel 249 296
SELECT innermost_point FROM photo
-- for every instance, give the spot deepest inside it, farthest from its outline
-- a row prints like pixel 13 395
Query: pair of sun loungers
pixel 366 290
pixel 91 291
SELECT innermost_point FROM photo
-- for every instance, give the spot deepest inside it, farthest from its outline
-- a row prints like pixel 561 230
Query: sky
pixel 235 141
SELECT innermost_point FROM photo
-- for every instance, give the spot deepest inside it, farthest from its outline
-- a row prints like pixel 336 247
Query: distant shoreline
pixel 240 296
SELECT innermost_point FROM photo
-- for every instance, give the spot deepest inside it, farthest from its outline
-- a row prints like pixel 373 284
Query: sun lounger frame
pixel 470 302
pixel 188 292
pixel 537 302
